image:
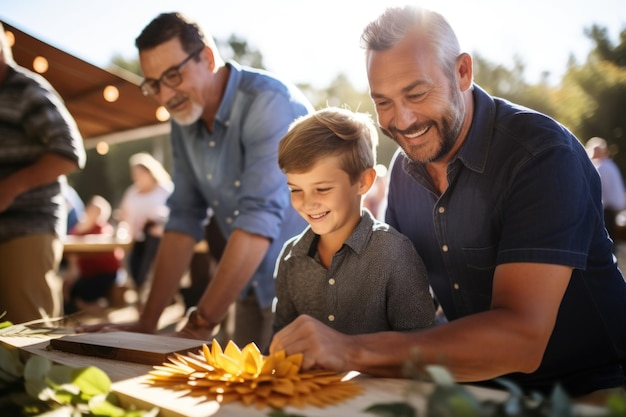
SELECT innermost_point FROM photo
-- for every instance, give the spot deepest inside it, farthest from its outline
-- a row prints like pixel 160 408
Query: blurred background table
pixel 107 243
pixel 94 243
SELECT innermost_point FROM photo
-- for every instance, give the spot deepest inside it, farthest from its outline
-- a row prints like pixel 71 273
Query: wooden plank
pixel 126 346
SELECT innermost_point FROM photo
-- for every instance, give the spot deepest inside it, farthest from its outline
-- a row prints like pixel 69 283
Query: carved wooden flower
pixel 248 376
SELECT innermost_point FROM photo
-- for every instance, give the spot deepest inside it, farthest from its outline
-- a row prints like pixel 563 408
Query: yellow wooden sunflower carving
pixel 246 375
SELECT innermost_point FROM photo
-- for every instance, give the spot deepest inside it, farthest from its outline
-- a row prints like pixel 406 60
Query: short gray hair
pixel 395 23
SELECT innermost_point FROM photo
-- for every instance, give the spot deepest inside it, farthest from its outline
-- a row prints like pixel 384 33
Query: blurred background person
pixel 613 193
pixel 90 277
pixel 74 204
pixel 40 144
pixel 143 212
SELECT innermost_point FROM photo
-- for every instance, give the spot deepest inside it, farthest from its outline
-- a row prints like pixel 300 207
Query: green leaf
pixel 561 405
pixel 66 411
pixel 92 381
pixel 616 405
pixel 20 330
pixel 440 375
pixel 455 401
pixel 37 368
pixel 397 409
pixel 35 376
pixel 11 365
pixel 61 375
pixel 98 405
pixel 281 413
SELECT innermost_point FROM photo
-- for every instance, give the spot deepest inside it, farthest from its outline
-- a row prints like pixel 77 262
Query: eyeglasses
pixel 171 77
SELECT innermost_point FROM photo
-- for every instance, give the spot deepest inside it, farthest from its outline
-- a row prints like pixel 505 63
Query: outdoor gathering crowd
pixel 492 255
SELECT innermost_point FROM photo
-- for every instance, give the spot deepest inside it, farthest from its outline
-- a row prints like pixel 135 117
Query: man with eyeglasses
pixel 227 123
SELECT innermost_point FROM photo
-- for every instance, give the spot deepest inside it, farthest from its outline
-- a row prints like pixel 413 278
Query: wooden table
pixel 107 243
pixel 94 243
pixel 128 383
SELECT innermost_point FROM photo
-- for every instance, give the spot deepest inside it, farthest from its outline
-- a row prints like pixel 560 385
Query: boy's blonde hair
pixel 328 132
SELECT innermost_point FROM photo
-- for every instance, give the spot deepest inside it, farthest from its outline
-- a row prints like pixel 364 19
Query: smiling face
pixel 186 101
pixel 417 104
pixel 327 200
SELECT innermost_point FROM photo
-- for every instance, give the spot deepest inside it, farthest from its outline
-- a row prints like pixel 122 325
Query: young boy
pixel 348 270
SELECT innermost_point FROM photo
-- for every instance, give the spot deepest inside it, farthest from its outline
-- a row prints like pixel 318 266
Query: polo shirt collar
pixel 475 151
pixel 357 241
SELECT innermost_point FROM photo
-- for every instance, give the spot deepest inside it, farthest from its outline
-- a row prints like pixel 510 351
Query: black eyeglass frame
pixel 151 87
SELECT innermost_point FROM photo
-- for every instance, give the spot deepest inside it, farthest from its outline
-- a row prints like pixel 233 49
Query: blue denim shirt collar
pixel 226 106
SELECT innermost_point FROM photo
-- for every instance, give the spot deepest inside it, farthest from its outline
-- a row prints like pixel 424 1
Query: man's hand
pixel 190 332
pixel 321 346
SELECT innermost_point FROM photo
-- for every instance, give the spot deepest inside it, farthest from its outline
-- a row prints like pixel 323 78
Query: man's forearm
pixel 242 256
pixel 45 170
pixel 171 262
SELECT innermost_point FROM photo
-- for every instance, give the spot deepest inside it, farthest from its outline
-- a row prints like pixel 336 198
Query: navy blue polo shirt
pixel 521 189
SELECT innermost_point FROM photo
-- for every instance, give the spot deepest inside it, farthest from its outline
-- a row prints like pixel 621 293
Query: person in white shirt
pixel 143 212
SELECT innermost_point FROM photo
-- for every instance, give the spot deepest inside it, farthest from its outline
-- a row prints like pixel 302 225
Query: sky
pixel 314 41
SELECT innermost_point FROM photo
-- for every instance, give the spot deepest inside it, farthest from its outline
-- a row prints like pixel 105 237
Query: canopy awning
pixel 82 86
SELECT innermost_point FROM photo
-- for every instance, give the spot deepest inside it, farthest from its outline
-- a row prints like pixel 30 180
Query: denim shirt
pixel 521 189
pixel 234 169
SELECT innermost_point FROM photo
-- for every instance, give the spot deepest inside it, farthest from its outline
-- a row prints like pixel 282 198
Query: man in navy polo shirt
pixel 504 207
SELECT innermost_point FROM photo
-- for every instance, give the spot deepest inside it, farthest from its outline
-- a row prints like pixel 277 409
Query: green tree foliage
pixel 589 100
pixel 593 94
pixel 131 65
pixel 238 49
pixel 510 84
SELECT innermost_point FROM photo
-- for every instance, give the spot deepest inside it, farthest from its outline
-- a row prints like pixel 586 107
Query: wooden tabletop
pixel 129 383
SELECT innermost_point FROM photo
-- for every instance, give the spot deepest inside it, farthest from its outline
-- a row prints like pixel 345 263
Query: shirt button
pixel 444 248
pixel 441 210
pixel 209 177
pixel 229 220
pixel 455 286
pixel 236 213
pixel 237 183
pixel 331 281
pixel 331 318
pixel 216 203
pixel 212 144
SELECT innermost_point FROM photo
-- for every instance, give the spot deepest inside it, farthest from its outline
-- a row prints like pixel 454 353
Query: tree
pixel 237 49
pixel 510 84
pixel 593 95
